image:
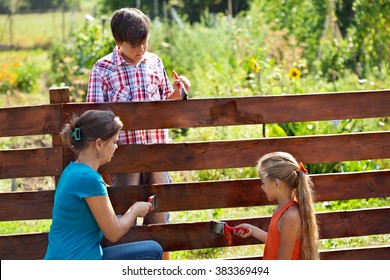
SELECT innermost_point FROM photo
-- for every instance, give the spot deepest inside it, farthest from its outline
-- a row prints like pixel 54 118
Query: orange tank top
pixel 272 242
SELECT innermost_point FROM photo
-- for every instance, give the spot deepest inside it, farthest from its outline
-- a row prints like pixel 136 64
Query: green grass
pixel 40 30
pixel 25 227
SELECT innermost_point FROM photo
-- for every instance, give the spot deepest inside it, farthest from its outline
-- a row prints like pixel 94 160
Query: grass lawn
pixel 39 30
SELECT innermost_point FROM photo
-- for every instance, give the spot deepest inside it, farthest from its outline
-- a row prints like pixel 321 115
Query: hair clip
pixel 302 167
pixel 76 134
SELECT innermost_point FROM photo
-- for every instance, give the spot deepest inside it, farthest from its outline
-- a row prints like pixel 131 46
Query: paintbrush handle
pixel 181 87
pixel 235 229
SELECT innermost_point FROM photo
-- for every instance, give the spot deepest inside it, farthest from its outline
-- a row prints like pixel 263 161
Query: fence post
pixel 11 37
pixel 58 96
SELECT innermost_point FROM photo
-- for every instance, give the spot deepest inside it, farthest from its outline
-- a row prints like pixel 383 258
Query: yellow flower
pixel 294 73
pixel 255 65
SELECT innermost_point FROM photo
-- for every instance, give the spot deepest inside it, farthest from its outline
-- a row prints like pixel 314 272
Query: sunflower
pixel 294 73
pixel 255 65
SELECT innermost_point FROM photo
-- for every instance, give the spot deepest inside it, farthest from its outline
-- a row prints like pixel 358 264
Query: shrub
pixel 19 76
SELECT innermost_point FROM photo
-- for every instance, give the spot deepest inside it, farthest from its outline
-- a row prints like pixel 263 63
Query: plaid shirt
pixel 112 79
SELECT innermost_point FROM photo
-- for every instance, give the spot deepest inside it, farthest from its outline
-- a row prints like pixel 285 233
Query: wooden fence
pixel 310 149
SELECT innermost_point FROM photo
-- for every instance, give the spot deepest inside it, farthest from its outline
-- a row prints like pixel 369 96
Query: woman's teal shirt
pixel 74 233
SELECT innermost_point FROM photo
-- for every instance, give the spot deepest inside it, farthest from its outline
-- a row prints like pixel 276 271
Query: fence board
pixel 38 162
pixel 239 110
pixel 32 120
pixel 245 153
pixel 231 193
pixel 365 253
pixel 197 235
pixel 369 253
pixel 188 236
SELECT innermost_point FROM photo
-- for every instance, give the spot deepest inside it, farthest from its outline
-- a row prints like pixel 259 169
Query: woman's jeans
pixel 142 250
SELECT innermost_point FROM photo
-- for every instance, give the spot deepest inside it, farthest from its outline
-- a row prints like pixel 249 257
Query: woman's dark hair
pixel 88 127
pixel 130 25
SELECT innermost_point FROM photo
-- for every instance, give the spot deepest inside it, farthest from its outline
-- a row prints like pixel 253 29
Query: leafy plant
pixel 71 63
pixel 19 76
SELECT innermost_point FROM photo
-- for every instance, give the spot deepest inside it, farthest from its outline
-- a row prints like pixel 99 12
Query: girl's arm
pixel 289 226
pixel 114 227
pixel 254 231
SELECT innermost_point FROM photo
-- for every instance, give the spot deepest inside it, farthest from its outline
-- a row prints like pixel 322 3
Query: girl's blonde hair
pixel 283 166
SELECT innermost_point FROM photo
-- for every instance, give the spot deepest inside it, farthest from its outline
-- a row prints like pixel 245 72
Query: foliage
pixel 192 9
pixel 331 127
pixel 303 19
pixel 371 34
pixel 18 76
pixel 336 57
pixel 70 64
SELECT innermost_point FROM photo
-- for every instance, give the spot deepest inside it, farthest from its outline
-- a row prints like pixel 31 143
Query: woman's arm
pixel 113 227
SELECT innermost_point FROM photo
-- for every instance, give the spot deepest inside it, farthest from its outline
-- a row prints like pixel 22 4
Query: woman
pixel 82 211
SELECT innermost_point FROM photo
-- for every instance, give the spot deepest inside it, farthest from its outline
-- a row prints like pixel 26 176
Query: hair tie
pixel 302 167
pixel 76 134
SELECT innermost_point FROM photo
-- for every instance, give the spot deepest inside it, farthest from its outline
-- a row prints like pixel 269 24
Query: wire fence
pixel 39 28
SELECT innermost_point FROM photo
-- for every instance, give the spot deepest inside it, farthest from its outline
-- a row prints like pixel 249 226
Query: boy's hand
pixel 182 81
pixel 179 84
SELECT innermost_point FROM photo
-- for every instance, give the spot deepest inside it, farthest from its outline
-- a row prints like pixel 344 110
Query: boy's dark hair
pixel 130 25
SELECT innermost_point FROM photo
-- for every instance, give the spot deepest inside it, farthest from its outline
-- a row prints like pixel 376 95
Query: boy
pixel 131 73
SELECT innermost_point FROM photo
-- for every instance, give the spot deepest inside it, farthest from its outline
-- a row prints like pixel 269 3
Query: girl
pixel 82 211
pixel 293 232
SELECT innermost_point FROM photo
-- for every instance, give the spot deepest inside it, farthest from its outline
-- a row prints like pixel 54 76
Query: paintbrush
pixel 152 200
pixel 223 227
pixel 182 88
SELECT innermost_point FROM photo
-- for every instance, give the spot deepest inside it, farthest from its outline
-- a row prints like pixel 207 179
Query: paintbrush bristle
pixel 217 227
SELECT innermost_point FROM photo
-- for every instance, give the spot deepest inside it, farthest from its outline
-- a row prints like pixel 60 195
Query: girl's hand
pixel 242 233
pixel 141 208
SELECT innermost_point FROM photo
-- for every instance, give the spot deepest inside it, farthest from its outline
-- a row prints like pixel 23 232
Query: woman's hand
pixel 141 208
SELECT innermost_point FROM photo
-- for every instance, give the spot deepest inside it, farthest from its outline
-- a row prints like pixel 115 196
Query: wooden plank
pixel 247 192
pixel 31 120
pixel 30 163
pixel 30 246
pixel 202 155
pixel 352 185
pixel 244 110
pixel 231 193
pixel 30 205
pixel 58 96
pixel 196 235
pixel 354 223
pixel 188 236
pixel 245 153
pixel 363 253
pixel 366 253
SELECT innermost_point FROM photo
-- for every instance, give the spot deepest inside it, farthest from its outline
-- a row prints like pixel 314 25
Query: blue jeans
pixel 142 250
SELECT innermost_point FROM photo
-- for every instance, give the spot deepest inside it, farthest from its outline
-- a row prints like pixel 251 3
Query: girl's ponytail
pixel 304 195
